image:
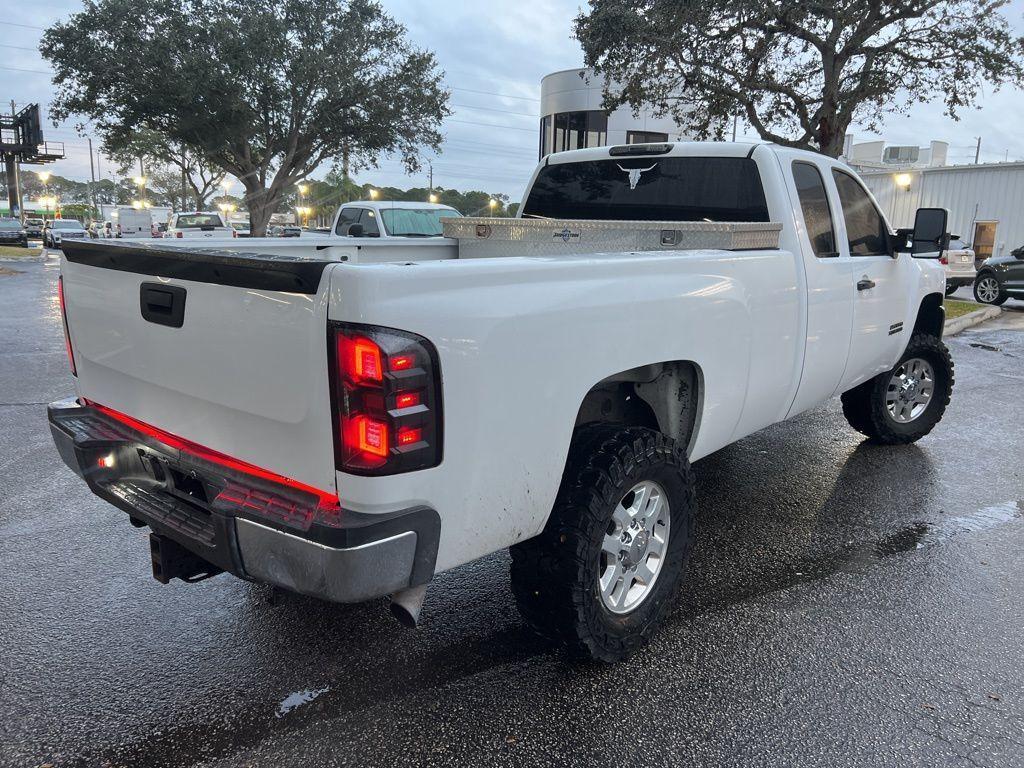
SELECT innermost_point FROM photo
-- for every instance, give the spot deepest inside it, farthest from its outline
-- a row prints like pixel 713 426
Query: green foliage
pixel 174 172
pixel 798 72
pixel 265 90
pixel 71 192
pixel 325 196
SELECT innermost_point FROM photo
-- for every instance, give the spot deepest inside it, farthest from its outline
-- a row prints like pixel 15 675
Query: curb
pixel 953 327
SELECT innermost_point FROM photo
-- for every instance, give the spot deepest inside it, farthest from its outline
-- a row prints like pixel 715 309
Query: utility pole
pixel 13 177
pixel 977 151
pixel 92 183
pixel 431 166
pixel 735 120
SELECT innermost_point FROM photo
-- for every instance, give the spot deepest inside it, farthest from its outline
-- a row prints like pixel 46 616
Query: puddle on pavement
pixel 912 537
pixel 298 699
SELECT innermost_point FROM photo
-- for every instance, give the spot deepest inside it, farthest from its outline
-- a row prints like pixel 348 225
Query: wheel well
pixel 931 317
pixel 661 396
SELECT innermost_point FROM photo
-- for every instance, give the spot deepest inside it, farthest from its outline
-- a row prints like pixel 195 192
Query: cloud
pixel 494 56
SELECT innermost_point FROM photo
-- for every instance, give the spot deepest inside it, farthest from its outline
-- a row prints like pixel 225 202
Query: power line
pixel 492 109
pixel 19 47
pixel 25 26
pixel 491 125
pixel 31 71
pixel 493 93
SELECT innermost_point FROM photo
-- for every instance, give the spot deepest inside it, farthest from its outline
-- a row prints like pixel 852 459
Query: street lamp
pixel 373 194
pixel 44 176
pixel 433 198
pixel 140 182
pixel 492 204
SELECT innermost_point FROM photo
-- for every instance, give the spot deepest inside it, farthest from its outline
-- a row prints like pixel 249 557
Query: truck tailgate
pixel 245 374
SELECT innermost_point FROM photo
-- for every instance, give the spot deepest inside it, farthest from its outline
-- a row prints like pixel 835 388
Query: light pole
pixel 492 204
pixel 373 194
pixel 433 197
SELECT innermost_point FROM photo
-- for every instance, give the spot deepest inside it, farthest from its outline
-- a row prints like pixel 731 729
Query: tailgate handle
pixel 162 304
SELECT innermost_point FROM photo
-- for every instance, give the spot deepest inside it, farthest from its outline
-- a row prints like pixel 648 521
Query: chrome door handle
pixel 864 283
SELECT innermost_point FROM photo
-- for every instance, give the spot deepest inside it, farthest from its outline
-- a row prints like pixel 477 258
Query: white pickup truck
pixel 348 421
pixel 197 224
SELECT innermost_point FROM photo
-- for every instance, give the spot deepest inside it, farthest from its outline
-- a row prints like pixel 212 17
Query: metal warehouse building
pixel 985 202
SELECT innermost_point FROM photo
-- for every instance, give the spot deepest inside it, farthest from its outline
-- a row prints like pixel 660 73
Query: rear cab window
pixel 198 220
pixel 650 189
pixel 817 214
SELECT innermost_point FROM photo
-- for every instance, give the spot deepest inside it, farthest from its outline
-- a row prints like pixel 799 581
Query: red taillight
pixel 407 399
pixel 360 358
pixel 409 435
pixel 64 320
pixel 402 362
pixel 387 395
pixel 943 260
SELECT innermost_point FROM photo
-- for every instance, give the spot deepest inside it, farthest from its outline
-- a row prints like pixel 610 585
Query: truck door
pixel 829 297
pixel 879 284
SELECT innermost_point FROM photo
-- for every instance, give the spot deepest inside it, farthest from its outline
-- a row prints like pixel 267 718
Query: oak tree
pixel 800 72
pixel 265 90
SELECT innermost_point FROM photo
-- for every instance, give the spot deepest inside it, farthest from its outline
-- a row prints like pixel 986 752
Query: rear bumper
pixel 180 496
pixel 959 280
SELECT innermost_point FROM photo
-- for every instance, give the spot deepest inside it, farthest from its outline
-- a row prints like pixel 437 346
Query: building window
pixel 573 130
pixel 597 129
pixel 645 137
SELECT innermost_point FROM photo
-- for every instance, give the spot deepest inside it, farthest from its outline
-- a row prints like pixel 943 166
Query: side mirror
pixel 930 237
pixel 355 230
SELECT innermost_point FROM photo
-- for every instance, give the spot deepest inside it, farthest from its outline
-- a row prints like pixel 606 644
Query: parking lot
pixel 848 605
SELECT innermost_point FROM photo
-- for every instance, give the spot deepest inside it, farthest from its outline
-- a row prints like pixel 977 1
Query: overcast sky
pixel 494 54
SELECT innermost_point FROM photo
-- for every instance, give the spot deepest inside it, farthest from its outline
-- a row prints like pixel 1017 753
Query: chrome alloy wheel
pixel 988 289
pixel 910 390
pixel 634 547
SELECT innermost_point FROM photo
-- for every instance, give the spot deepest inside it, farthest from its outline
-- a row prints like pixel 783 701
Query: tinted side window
pixel 347 217
pixel 650 189
pixel 369 221
pixel 865 228
pixel 810 188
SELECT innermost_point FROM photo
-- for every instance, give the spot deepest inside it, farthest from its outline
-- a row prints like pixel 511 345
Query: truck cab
pixel 406 219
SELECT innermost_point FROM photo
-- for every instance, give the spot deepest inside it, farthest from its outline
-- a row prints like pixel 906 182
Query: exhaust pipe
pixel 407 603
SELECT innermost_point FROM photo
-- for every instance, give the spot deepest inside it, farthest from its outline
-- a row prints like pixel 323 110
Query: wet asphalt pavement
pixel 848 605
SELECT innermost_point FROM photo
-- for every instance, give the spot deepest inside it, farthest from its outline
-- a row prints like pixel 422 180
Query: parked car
pixel 1001 278
pixel 196 224
pixel 241 229
pixel 102 230
pixel 290 231
pixel 13 233
pixel 384 218
pixel 958 260
pixel 34 228
pixel 348 425
pixel 58 230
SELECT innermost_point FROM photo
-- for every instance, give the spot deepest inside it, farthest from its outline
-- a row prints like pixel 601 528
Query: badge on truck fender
pixel 483 230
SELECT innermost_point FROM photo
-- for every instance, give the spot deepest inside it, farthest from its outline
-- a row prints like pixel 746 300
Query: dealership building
pixel 572 117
